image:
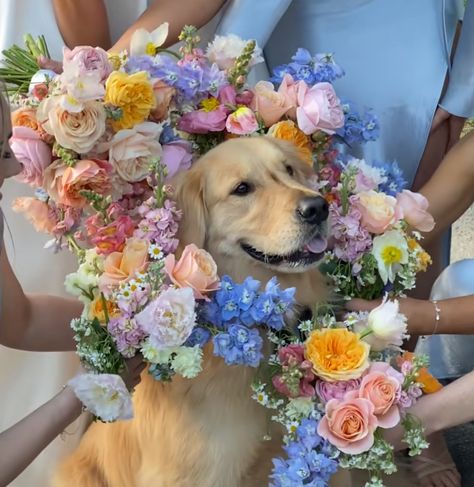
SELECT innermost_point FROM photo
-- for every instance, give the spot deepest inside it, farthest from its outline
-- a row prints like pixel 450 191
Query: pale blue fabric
pixel 395 54
pixel 451 356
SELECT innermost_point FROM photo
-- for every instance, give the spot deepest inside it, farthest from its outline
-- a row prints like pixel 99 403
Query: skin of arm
pixel 34 322
pixel 177 13
pixel 73 15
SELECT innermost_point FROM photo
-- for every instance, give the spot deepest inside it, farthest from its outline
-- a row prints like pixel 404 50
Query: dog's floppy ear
pixel 189 196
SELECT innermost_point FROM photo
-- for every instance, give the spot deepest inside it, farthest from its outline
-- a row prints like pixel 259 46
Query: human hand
pixel 419 312
pixel 134 368
pixel 439 117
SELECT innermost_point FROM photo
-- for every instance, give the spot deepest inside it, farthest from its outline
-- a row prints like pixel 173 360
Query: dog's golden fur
pixel 208 432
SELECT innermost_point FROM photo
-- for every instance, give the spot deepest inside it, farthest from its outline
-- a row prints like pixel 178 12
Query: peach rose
pixel 36 212
pixel 270 105
pixel 78 131
pixel 163 96
pixel 287 130
pixel 26 117
pixel 64 183
pixel 378 210
pixel 130 151
pixel 414 208
pixel 349 425
pixel 337 354
pixel 382 386
pixel 120 266
pixel 195 269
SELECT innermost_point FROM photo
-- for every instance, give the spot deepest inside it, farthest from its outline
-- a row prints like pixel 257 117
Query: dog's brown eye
pixel 242 189
pixel 290 170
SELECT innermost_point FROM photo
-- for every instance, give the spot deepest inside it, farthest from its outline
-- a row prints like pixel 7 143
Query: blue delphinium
pixel 358 128
pixel 199 336
pixel 307 464
pixel 239 346
pixel 168 135
pixel 243 303
pixel 310 69
pixel 395 182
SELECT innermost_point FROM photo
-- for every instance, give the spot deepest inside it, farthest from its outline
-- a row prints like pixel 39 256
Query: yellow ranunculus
pixel 287 130
pixel 133 94
pixel 337 354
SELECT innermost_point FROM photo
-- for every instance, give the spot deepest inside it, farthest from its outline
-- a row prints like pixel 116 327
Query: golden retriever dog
pixel 248 203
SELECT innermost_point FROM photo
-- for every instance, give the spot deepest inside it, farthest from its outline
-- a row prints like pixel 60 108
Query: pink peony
pixel 33 153
pixel 349 425
pixel 177 156
pixel 242 122
pixel 88 60
pixel 382 386
pixel 335 390
pixel 318 108
pixel 414 207
pixel 195 269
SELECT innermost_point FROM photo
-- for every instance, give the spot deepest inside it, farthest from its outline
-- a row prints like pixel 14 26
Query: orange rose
pixel 287 130
pixel 120 266
pixel 64 183
pixel 337 354
pixel 195 269
pixel 26 117
pixel 429 384
pixel 163 96
pixel 36 212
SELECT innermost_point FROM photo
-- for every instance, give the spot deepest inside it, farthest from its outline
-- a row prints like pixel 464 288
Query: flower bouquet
pixel 101 142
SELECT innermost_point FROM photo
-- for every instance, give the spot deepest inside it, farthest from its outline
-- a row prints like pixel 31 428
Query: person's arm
pixel 24 441
pixel 177 13
pixel 450 191
pixel 83 22
pixel 455 314
pixel 34 322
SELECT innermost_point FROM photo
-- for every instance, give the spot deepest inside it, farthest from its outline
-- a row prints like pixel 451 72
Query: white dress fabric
pixel 29 379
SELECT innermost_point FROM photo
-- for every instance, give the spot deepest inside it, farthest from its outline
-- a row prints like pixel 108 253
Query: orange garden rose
pixel 133 94
pixel 337 354
pixel 26 117
pixel 287 130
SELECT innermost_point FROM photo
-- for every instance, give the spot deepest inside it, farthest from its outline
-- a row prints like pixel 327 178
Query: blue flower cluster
pixel 308 463
pixel 193 81
pixel 308 68
pixel 239 346
pixel 358 128
pixel 395 182
pixel 199 336
pixel 243 304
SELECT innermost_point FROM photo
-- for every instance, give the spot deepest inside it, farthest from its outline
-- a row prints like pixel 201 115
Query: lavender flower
pixel 127 335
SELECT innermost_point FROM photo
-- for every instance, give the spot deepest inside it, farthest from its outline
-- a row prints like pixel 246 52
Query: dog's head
pixel 248 200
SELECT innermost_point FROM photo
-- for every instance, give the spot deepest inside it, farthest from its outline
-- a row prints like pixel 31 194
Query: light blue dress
pixel 395 54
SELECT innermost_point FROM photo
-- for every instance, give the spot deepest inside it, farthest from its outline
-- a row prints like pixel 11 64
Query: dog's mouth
pixel 307 255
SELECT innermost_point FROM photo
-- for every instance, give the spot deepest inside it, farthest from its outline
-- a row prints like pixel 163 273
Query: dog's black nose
pixel 313 210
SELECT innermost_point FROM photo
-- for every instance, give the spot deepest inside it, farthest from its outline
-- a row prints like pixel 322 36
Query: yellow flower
pixel 423 258
pixel 287 130
pixel 210 104
pixel 337 354
pixel 133 94
pixel 96 309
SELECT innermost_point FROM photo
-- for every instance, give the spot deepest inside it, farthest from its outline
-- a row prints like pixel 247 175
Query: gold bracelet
pixel 437 316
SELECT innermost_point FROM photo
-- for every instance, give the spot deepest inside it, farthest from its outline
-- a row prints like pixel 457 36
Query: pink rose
pixel 382 386
pixel 349 425
pixel 88 59
pixel 291 354
pixel 177 156
pixel 335 390
pixel 36 212
pixel 64 183
pixel 195 269
pixel 271 105
pixel 414 207
pixel 163 96
pixel 33 153
pixel 242 122
pixel 203 122
pixel 289 90
pixel 378 210
pixel 318 108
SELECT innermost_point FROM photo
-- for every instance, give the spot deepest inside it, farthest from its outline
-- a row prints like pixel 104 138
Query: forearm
pixel 177 12
pixel 450 191
pixel 456 317
pixel 83 22
pixel 22 443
